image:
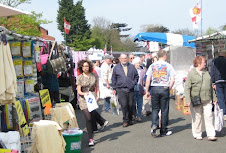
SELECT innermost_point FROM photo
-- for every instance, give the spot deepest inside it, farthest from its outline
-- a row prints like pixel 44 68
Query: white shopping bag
pixel 91 102
pixel 219 118
pixel 114 105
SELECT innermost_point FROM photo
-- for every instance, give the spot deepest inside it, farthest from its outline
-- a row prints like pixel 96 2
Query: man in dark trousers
pixel 160 78
pixel 124 79
pixel 218 77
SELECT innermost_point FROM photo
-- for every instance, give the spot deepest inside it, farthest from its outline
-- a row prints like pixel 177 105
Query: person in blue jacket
pixel 124 79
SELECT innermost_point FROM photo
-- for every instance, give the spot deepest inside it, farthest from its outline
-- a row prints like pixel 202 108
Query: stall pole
pixel 65 40
pixel 201 17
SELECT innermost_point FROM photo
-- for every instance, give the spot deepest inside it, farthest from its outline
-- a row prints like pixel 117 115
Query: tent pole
pixel 201 17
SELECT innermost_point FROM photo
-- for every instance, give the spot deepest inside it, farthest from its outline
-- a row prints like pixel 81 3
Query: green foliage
pixel 14 3
pixel 154 28
pixel 223 27
pixel 24 24
pixel 80 29
pixel 104 32
pixel 186 31
pixel 210 31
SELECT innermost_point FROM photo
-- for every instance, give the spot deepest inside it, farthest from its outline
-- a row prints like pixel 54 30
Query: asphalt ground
pixel 137 138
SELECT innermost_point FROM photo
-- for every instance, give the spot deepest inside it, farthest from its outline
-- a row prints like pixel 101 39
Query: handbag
pixel 44 57
pixel 196 100
pixel 56 65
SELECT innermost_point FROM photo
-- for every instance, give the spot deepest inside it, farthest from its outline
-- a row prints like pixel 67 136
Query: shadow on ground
pixel 113 136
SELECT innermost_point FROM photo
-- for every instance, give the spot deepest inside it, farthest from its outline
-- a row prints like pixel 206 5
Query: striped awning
pixel 166 38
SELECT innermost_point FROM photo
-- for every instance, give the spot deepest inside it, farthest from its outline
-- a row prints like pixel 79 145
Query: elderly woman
pixel 138 90
pixel 198 83
pixel 87 82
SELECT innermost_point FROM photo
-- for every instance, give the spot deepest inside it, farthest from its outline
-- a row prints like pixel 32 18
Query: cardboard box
pixel 185 110
pixel 178 102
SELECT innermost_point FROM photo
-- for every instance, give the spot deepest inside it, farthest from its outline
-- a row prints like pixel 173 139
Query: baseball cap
pixel 108 57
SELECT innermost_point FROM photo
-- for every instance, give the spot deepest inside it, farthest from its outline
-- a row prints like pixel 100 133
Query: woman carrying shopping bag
pixel 87 82
pixel 198 97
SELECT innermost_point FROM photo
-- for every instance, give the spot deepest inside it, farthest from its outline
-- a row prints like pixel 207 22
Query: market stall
pixel 180 56
pixel 210 45
pixel 23 101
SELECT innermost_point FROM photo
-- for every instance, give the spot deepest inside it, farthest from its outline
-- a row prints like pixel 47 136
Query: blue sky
pixel 173 14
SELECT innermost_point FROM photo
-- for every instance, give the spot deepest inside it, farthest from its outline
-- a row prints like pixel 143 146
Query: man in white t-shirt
pixel 161 76
pixel 106 74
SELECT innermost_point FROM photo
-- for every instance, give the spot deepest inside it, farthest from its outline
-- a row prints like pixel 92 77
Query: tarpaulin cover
pixel 9 11
pixel 166 38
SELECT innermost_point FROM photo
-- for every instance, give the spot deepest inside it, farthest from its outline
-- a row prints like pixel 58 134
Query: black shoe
pixel 130 123
pixel 148 113
pixel 168 133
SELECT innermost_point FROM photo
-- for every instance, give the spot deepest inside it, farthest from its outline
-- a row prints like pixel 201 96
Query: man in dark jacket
pixel 124 79
pixel 218 77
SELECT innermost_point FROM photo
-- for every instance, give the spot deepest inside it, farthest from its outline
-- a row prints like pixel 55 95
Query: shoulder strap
pixel 52 49
pixel 201 84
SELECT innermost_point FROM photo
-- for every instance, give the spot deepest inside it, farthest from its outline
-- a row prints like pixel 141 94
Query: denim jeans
pixel 221 96
pixel 138 103
pixel 107 105
pixel 160 101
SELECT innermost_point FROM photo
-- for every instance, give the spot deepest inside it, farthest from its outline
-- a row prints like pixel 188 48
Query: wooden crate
pixel 172 91
pixel 185 110
pixel 184 102
pixel 178 102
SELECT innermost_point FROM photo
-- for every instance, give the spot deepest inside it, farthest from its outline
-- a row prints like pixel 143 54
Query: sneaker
pixel 199 138
pixel 153 130
pixel 91 142
pixel 212 138
pixel 104 125
pixel 168 133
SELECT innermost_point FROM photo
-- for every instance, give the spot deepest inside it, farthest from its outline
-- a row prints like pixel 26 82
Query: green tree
pixel 14 3
pixel 129 44
pixel 154 28
pixel 80 34
pixel 223 27
pixel 106 33
pixel 23 24
pixel 210 31
pixel 186 31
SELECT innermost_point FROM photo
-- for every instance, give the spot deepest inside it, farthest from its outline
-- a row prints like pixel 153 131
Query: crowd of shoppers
pixel 131 80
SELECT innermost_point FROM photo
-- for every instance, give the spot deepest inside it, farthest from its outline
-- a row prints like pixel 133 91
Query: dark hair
pixel 116 60
pixel 161 53
pixel 81 63
pixel 149 62
pixel 198 60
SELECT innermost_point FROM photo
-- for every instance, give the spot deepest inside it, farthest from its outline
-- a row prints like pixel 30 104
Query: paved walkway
pixel 137 138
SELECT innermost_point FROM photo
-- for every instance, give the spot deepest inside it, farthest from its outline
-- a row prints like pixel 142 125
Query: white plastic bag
pixel 114 105
pixel 219 118
pixel 91 102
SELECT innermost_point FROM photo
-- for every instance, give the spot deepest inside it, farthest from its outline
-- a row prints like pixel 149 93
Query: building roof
pixel 214 36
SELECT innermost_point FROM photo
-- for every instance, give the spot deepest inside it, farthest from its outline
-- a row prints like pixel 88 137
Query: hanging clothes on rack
pixel 8 77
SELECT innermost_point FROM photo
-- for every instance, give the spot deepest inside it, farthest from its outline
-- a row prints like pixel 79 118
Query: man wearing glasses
pixel 131 57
